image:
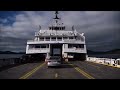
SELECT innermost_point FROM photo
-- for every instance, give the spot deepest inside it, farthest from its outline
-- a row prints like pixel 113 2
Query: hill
pixel 115 51
pixel 10 52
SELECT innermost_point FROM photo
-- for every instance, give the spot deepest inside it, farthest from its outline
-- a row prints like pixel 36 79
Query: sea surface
pixel 114 56
pixel 6 56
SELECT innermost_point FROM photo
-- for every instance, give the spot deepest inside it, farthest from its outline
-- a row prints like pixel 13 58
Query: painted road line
pixel 83 72
pixel 31 72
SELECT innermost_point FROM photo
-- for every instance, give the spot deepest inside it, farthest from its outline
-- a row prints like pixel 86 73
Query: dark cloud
pixel 101 28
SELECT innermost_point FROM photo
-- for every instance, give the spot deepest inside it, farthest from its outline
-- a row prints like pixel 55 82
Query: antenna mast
pixel 56 16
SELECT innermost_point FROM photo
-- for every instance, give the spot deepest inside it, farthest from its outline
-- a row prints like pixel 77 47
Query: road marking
pixel 31 72
pixel 56 75
pixel 83 72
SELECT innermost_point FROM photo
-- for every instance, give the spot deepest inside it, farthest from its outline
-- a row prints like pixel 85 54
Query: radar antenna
pixel 56 16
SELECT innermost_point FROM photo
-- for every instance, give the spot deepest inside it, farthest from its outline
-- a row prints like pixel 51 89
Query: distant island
pixel 115 51
pixel 10 52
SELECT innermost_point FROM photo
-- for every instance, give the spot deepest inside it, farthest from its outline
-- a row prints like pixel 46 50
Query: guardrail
pixel 105 61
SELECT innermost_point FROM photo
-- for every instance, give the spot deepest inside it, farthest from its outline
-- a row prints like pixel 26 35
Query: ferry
pixel 56 40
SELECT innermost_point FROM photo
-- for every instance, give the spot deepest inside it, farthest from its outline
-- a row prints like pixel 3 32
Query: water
pixel 114 56
pixel 5 56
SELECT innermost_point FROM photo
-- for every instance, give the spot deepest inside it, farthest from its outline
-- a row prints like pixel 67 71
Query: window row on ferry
pixel 76 46
pixel 57 38
pixel 43 46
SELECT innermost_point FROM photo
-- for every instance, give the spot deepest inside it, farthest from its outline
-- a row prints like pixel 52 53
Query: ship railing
pixel 74 48
pixel 38 48
pixel 80 50
pixel 73 41
pixel 65 40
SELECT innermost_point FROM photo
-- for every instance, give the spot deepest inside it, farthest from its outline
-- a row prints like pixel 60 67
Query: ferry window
pixel 47 46
pixel 59 38
pixel 70 37
pixel 81 46
pixel 70 46
pixel 41 39
pixel 53 38
pixel 82 39
pixel 43 46
pixel 50 28
pixel 60 28
pixel 64 28
pixel 37 46
pixel 31 46
pixel 54 28
pixel 75 45
pixel 57 28
pixel 65 37
pixel 77 38
pixel 47 38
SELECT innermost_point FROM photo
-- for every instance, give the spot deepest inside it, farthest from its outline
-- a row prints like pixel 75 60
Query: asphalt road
pixel 68 70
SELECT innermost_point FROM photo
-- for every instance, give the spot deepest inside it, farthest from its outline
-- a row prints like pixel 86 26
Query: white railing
pixel 65 40
pixel 72 41
pixel 39 50
pixel 105 61
pixel 56 41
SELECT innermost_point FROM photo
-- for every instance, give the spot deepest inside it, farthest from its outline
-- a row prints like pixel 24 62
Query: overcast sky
pixel 101 28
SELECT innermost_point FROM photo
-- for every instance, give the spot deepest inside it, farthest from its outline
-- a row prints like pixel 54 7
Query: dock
pixel 68 70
